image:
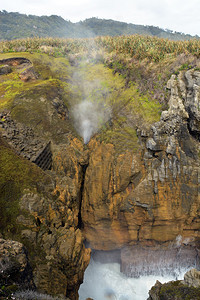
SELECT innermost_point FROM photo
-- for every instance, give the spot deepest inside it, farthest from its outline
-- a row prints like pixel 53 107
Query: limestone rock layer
pixel 145 196
pixel 151 196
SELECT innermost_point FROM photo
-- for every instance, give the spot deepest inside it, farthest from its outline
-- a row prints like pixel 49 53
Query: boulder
pixel 192 278
pixel 15 269
pixel 189 288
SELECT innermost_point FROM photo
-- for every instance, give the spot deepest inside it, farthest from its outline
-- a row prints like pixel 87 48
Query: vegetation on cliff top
pixel 133 46
pixel 143 65
pixel 148 61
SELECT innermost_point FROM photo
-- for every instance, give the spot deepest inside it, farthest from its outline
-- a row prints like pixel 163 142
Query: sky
pixel 177 15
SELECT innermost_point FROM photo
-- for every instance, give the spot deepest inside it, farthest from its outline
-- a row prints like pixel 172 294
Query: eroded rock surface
pixel 46 218
pixel 125 200
pixel 21 138
pixel 52 225
pixel 5 69
pixel 41 210
pixel 151 196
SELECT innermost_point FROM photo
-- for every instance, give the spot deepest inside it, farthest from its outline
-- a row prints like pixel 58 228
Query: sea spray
pixel 105 281
pixel 89 116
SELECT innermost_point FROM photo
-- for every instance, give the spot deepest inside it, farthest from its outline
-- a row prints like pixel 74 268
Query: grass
pixel 11 85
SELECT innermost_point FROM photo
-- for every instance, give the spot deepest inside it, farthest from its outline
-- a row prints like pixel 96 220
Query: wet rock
pixel 139 261
pixel 154 292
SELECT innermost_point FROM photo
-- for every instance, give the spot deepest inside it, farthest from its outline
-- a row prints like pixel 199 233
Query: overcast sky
pixel 178 15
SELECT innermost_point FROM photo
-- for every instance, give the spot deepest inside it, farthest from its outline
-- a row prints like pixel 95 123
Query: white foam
pixel 106 282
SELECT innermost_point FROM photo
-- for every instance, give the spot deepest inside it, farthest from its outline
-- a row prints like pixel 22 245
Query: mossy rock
pixel 174 290
pixel 31 102
pixel 16 175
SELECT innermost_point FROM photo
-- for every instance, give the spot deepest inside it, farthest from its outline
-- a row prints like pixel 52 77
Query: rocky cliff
pixel 42 213
pixel 151 196
pixel 134 187
pixel 40 209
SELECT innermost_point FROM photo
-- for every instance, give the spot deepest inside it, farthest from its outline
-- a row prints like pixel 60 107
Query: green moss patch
pixel 177 290
pixel 16 174
pixel 31 102
pixel 45 67
pixel 128 107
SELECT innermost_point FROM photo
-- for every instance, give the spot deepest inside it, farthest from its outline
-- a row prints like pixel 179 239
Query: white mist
pixel 106 282
pixel 89 117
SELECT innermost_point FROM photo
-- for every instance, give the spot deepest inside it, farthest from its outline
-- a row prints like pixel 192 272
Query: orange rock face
pixel 148 197
pixel 105 211
pixel 52 225
pixel 125 202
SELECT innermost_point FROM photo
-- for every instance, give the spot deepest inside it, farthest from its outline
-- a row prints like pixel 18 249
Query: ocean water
pixel 106 282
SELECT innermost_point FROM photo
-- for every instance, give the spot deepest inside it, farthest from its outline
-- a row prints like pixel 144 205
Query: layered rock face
pixel 40 210
pixel 46 221
pixel 26 144
pixel 114 200
pixel 53 226
pixel 152 196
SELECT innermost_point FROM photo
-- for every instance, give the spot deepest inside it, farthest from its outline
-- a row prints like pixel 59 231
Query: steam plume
pixel 90 111
pixel 89 117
